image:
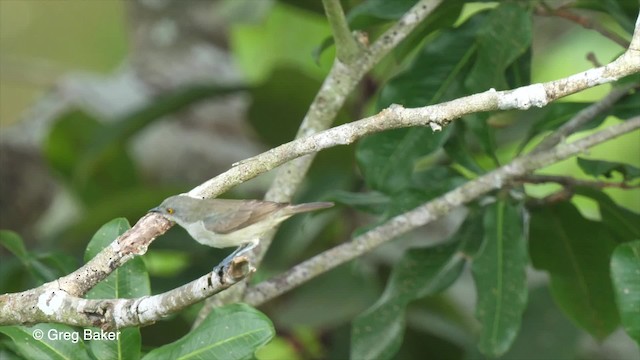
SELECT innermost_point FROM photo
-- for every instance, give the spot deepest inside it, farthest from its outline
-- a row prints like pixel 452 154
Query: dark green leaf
pixel 387 159
pixel 457 149
pixel 625 272
pixel 622 222
pixel 378 332
pixel 231 332
pixel 70 136
pixel 478 124
pixel 374 12
pixel 519 72
pixel 499 273
pixel 606 168
pixel 13 242
pixel 504 37
pixel 546 333
pixel 46 341
pixel 439 69
pixel 38 270
pixel 576 251
pixel 436 180
pixel 444 16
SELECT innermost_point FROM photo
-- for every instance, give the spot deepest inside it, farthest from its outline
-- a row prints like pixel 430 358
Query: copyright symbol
pixel 38 334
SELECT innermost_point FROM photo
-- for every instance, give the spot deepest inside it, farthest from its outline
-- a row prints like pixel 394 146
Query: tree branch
pixel 347 48
pixel 583 117
pixel 52 304
pixel 424 214
pixel 582 21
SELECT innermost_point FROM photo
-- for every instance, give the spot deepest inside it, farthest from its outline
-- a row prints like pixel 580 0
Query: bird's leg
pixel 241 250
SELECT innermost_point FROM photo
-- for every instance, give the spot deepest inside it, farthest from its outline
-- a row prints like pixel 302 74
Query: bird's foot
pixel 236 267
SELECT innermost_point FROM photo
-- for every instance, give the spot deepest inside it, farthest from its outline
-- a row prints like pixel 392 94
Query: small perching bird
pixel 222 223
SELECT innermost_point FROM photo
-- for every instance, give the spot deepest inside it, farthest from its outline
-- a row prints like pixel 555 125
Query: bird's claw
pixel 236 267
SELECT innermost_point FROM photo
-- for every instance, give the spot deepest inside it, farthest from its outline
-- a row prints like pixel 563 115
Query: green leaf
pixel 38 270
pixel 388 159
pixel 126 346
pixel 457 149
pixel 505 37
pixel 439 69
pixel 67 148
pixel 500 278
pixel 478 125
pixel 625 272
pixel 622 222
pixel 444 16
pixel 575 252
pixel 606 168
pixel 545 333
pixel 374 12
pixel 47 341
pixel 378 332
pixel 13 242
pixel 231 332
pixel 128 281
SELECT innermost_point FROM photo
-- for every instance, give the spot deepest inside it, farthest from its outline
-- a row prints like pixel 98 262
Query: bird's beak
pixel 155 210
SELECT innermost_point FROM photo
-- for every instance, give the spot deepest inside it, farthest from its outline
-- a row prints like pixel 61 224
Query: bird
pixel 222 223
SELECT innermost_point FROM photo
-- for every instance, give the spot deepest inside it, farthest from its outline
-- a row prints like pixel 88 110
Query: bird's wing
pixel 228 222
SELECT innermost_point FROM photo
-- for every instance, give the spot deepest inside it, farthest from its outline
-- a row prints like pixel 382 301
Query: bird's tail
pixel 300 208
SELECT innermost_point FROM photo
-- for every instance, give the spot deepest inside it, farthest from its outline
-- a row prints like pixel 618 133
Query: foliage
pixel 590 264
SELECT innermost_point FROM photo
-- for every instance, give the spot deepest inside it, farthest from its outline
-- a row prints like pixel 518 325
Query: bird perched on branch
pixel 222 223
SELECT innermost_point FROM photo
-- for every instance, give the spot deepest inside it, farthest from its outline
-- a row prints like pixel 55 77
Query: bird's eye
pixel 170 211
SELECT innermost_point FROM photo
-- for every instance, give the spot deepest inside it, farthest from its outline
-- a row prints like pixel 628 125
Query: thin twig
pixel 582 21
pixel 584 116
pixel 568 181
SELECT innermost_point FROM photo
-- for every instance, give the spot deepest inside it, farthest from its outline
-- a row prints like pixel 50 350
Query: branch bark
pixel 52 304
